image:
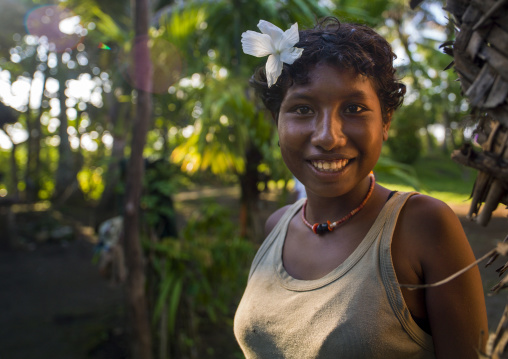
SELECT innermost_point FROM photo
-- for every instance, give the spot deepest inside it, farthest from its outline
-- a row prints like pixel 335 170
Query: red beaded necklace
pixel 329 227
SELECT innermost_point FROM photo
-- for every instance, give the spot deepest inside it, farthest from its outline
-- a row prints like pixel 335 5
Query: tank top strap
pixel 395 203
pixel 389 276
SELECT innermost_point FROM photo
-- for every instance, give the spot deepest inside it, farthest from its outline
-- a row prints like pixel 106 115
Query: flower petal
pixel 289 56
pixel 271 30
pixel 256 44
pixel 273 69
pixel 290 36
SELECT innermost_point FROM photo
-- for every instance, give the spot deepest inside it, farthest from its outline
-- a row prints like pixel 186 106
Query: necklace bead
pixel 321 228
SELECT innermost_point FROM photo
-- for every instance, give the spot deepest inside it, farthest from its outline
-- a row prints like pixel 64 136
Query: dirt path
pixel 56 306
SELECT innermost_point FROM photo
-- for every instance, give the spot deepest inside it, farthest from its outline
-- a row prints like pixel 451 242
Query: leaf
pixel 108 26
pixel 304 8
pixel 173 304
pixel 405 172
pixel 165 287
pixel 164 187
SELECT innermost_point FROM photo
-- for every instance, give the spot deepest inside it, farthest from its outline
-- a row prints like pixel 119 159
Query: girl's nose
pixel 329 131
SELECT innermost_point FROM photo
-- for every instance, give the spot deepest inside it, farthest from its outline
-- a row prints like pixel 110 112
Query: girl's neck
pixel 321 209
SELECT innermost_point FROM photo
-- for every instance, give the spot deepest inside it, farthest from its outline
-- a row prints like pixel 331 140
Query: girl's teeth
pixel 330 166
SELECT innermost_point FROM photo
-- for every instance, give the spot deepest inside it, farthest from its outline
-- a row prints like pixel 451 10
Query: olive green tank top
pixel 355 311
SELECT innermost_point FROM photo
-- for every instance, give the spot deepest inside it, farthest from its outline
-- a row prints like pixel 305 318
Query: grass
pixel 439 176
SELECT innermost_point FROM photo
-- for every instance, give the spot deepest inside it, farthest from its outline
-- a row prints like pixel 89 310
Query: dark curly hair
pixel 348 46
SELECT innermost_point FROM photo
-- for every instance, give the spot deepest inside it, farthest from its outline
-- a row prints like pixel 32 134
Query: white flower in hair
pixel 274 42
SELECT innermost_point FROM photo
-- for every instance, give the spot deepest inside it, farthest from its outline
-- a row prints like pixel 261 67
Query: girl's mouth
pixel 329 166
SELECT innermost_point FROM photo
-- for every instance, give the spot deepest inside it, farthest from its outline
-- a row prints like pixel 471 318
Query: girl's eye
pixel 355 109
pixel 303 110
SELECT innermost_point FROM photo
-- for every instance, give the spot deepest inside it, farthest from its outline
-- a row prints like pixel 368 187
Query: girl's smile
pixel 331 130
pixel 329 166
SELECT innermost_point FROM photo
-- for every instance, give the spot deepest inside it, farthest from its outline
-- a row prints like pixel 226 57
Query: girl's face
pixel 331 130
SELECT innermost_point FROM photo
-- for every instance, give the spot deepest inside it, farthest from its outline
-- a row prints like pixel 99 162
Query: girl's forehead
pixel 324 76
pixel 326 69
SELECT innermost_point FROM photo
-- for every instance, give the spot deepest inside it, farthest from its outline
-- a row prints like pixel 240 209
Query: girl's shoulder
pixel 275 218
pixel 426 215
pixel 430 234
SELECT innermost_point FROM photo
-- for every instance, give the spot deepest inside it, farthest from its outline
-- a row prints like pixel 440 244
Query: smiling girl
pixel 325 282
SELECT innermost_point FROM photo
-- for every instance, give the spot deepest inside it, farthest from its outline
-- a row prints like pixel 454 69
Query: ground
pixel 482 240
pixel 55 305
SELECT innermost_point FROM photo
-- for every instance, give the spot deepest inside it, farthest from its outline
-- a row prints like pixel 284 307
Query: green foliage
pixel 404 141
pixel 362 11
pixel 405 146
pixel 183 27
pixel 221 129
pixel 6 173
pixel 107 25
pixel 438 176
pixel 400 171
pixel 200 275
pixel 91 182
pixel 273 165
pixel 162 180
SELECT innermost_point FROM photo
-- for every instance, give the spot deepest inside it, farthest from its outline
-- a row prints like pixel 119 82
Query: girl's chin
pixel 331 184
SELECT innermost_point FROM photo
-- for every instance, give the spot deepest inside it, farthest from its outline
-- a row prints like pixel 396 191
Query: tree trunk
pixel 37 136
pixel 8 225
pixel 14 168
pixel 430 141
pixel 29 177
pixel 33 124
pixel 250 224
pixel 136 293
pixel 118 116
pixel 33 163
pixel 64 175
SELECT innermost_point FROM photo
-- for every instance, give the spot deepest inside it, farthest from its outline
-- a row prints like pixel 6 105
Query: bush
pixel 198 278
pixel 405 146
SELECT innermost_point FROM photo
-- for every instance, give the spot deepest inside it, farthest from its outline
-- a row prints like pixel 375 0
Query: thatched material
pixel 480 54
pixel 500 339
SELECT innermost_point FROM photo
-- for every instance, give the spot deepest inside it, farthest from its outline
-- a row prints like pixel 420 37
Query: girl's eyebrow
pixel 300 96
pixel 353 94
pixel 358 94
